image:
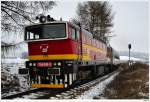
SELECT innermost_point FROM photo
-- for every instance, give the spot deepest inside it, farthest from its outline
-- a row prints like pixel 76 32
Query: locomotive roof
pixel 85 31
pixel 47 23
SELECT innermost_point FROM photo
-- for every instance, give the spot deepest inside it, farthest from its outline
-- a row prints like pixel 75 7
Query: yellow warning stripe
pixel 94 48
pixel 59 57
pixel 47 85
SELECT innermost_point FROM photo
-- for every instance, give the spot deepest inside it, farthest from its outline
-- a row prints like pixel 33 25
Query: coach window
pixel 90 41
pixel 85 39
pixel 102 45
pixel 98 44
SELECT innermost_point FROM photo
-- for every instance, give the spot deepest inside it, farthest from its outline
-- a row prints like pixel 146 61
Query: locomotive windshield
pixel 47 31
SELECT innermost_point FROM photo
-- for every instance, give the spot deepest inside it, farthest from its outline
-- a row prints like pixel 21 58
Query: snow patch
pixel 98 89
pixel 126 58
pixel 11 81
pixel 143 94
pixel 17 60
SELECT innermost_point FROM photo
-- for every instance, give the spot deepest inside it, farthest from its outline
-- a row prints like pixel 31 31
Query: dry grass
pixel 130 83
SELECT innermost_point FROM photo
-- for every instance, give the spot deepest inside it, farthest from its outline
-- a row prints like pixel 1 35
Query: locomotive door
pixel 79 45
pixel 79 36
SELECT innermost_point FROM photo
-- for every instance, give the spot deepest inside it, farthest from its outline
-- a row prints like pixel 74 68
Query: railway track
pixel 74 93
pixel 21 94
pixel 67 93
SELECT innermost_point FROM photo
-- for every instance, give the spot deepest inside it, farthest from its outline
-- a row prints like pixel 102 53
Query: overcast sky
pixel 130 22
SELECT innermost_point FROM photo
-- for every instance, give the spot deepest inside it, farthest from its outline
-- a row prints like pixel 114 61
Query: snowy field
pixel 11 81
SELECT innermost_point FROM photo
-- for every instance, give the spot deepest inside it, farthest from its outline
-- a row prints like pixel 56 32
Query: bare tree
pixel 96 17
pixel 15 15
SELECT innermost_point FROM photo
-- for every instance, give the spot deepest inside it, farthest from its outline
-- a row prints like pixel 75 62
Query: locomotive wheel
pixel 69 79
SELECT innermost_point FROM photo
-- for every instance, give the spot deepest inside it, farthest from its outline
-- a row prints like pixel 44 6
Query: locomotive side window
pixel 73 33
pixel 47 31
pixel 78 35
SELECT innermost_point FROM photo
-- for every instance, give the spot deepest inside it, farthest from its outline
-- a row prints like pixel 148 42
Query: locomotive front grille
pixel 53 71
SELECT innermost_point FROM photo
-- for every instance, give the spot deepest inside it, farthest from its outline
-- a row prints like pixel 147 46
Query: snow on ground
pixel 12 65
pixel 11 81
pixel 126 58
pixel 98 89
pixel 17 60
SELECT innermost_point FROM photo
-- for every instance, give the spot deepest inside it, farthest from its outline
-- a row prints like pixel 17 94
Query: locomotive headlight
pixel 59 63
pixel 34 64
pixel 42 19
pixel 54 63
pixel 30 64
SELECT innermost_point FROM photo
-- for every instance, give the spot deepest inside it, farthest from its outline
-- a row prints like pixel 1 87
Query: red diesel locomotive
pixel 62 53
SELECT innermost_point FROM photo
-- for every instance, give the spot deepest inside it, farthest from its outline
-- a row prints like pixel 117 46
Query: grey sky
pixel 130 25
pixel 130 22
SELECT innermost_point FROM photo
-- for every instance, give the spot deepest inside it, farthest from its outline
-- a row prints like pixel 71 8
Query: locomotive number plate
pixel 44 64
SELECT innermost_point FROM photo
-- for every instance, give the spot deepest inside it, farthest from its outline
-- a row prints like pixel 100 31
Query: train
pixel 61 53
